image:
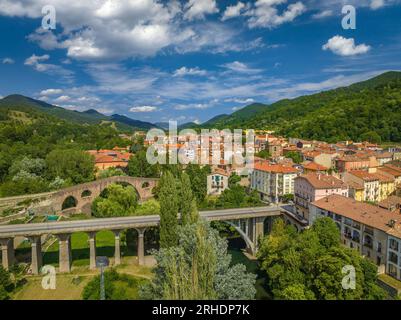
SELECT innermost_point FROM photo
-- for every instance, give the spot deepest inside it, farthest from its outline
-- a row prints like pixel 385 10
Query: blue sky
pixel 191 60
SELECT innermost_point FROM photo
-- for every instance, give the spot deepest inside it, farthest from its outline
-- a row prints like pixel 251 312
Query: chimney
pixel 391 223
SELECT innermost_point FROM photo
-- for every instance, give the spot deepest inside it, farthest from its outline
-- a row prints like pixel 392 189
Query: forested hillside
pixel 39 152
pixel 369 110
pixel 28 105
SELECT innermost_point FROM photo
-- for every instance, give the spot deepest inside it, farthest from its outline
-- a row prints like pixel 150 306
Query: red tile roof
pixel 365 213
pixel 276 168
pixel 323 181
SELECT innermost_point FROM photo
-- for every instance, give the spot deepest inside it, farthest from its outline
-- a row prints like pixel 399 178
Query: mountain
pixel 188 125
pixel 368 110
pixel 214 120
pixel 162 125
pixel 19 103
pixel 132 123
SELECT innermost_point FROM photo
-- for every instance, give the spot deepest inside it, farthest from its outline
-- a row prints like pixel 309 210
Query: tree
pixel 138 166
pixel 111 172
pixel 187 201
pixel 265 154
pixel 295 156
pixel 233 180
pixel 371 136
pixel 309 265
pixel 119 201
pixel 198 267
pixel 198 178
pixel 6 284
pixel 72 165
pixel 168 198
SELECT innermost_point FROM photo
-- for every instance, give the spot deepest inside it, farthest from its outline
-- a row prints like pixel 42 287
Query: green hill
pixel 37 108
pixel 368 110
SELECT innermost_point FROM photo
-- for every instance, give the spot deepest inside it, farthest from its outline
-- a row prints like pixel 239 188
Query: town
pixel 191 153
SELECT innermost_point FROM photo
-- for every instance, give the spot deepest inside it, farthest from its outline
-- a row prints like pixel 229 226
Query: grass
pixel 80 248
pixel 70 286
pixel 390 281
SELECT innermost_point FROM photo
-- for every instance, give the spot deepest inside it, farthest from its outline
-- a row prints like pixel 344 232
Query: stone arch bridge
pixel 81 194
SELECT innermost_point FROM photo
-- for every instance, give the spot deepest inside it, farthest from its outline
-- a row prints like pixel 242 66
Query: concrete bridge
pixel 82 195
pixel 249 222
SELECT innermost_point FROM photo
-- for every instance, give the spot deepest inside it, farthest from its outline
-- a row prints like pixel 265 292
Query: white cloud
pixel 233 11
pixel 37 62
pixel 265 13
pixel 197 9
pixel 241 101
pixel 8 61
pixel 143 109
pixel 63 99
pixel 183 71
pixel 376 4
pixel 51 92
pixel 240 67
pixel 323 14
pixel 345 47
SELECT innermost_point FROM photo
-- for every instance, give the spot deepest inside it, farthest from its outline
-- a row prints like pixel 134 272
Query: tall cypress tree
pixel 168 199
pixel 186 200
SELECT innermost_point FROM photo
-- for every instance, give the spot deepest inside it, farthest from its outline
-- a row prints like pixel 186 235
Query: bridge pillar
pixel 259 230
pixel 64 241
pixel 117 252
pixel 36 254
pixel 141 246
pixel 7 252
pixel 92 250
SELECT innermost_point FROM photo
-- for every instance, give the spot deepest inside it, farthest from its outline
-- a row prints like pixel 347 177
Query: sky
pixel 190 60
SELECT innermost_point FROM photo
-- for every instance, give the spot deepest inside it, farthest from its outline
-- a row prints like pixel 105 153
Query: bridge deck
pixel 121 223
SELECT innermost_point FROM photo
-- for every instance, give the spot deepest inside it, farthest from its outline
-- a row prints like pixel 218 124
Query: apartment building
pixel 217 182
pixel 376 186
pixel 314 186
pixel 273 181
pixel 374 232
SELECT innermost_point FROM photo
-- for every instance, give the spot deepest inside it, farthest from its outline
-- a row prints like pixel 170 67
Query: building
pixel 349 162
pixel 369 181
pixel 384 157
pixel 377 186
pixel 392 203
pixel 313 167
pixel 104 159
pixel 392 171
pixel 217 182
pixel 374 232
pixel 314 186
pixel 355 190
pixel 273 181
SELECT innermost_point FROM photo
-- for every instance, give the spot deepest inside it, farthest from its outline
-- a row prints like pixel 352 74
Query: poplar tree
pixel 189 211
pixel 168 198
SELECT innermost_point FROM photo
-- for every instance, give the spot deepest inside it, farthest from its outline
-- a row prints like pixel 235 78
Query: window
pixel 392 270
pixel 393 244
pixel 393 257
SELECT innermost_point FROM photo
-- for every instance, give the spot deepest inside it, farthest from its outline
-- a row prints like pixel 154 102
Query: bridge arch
pixel 249 244
pixel 86 193
pixel 69 202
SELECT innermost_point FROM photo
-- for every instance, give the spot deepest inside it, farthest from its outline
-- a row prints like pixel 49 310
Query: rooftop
pixel 361 212
pixel 322 181
pixel 275 168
